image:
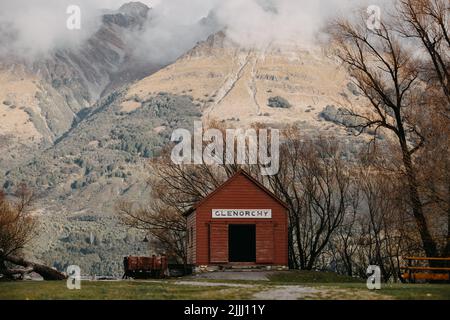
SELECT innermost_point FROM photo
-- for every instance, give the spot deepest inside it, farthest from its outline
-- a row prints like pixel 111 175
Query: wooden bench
pixel 412 273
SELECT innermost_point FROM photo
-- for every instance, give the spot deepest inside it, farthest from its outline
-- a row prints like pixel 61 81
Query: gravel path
pixel 214 284
pixel 261 291
pixel 296 292
pixel 286 293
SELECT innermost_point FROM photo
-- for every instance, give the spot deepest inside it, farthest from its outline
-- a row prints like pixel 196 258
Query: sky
pixel 37 27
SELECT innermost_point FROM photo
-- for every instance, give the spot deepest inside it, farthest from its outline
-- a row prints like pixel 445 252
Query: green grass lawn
pixel 329 286
pixel 116 290
pixel 392 290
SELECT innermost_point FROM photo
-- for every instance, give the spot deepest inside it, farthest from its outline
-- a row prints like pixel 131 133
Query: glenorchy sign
pixel 242 213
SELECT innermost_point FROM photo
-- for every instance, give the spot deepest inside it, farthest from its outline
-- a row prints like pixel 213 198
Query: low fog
pixel 32 29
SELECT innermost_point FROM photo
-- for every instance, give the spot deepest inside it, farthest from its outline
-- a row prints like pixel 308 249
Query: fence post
pixel 410 270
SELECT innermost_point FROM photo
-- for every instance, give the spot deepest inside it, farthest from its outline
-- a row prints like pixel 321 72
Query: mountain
pixel 278 84
pixel 80 126
pixel 42 99
pixel 80 179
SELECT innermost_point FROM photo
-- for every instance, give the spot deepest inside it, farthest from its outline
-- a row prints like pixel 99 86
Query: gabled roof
pixel 230 180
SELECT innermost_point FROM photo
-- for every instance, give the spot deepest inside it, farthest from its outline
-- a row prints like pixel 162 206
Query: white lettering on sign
pixel 242 213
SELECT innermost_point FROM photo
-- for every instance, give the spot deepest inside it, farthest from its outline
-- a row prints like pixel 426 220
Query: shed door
pixel 218 243
pixel 264 243
pixel 242 243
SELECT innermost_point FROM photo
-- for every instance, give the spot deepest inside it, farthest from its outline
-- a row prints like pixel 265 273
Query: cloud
pixel 30 28
pixel 34 28
pixel 261 22
pixel 173 28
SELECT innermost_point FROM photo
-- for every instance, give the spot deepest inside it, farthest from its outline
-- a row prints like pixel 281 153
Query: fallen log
pixel 45 272
pixel 14 274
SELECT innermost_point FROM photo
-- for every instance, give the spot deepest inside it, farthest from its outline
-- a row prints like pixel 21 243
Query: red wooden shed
pixel 241 223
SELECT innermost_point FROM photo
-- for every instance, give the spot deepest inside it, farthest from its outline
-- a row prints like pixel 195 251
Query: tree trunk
pixel 446 252
pixel 428 243
pixel 46 272
pixel 293 263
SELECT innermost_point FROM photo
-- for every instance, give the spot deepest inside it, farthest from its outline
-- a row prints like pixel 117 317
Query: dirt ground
pixel 296 292
pixel 235 275
pixel 281 292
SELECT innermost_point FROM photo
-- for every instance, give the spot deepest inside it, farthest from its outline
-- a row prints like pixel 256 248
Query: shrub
pixel 278 102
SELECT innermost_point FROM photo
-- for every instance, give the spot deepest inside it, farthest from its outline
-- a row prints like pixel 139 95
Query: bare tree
pixel 386 74
pixel 161 223
pixel 377 230
pixel 17 229
pixel 17 226
pixel 314 183
pixel 383 224
pixel 344 243
pixel 427 24
pixel 175 189
pixel 434 178
pixel 427 21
